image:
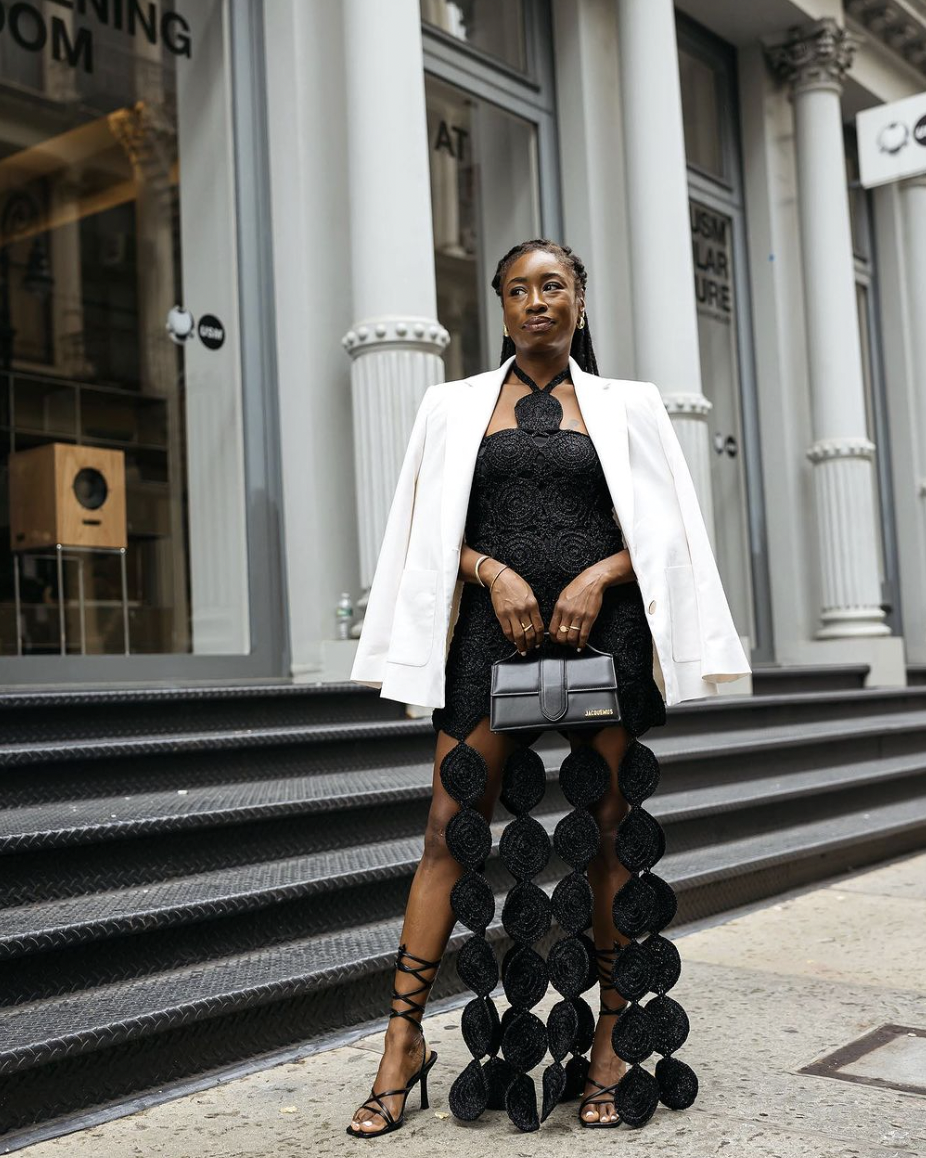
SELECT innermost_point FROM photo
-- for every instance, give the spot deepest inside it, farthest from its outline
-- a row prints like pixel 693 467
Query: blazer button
pixel 652 606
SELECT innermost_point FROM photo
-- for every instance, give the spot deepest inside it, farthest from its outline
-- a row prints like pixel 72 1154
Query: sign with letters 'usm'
pixel 892 141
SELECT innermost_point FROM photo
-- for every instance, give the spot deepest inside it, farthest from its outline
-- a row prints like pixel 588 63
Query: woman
pixel 543 564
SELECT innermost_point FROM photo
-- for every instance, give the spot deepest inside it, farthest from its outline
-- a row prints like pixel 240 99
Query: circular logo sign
pixel 211 331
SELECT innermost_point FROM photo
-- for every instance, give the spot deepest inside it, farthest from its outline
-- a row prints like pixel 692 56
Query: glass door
pixel 123 502
pixel 718 229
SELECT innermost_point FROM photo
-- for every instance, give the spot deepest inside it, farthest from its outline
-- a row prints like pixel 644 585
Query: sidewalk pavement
pixel 768 990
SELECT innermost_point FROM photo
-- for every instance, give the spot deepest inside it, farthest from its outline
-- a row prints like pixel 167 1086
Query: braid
pixel 581 349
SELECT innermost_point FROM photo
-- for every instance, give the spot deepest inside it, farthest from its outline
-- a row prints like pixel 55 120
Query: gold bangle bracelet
pixel 497 573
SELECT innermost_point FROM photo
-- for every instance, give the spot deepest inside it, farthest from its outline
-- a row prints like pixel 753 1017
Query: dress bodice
pixel 539 499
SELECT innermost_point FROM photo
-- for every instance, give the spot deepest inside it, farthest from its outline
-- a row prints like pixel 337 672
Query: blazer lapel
pixel 603 407
pixel 468 414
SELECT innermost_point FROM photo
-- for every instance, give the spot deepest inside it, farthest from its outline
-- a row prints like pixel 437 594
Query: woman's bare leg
pixel 606 875
pixel 429 918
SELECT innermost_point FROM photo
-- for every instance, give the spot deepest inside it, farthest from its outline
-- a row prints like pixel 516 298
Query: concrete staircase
pixel 194 876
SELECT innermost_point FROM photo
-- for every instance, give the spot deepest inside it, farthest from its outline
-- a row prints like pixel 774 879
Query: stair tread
pixel 219 892
pixel 108 1013
pixel 116 816
pixel 23 753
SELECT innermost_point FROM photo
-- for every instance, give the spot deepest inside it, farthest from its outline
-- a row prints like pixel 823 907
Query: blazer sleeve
pixel 723 658
pixel 370 658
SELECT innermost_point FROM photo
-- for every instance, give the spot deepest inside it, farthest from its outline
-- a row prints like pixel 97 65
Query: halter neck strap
pixel 528 381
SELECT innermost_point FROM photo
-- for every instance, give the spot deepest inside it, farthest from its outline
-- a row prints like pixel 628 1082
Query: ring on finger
pixel 575 627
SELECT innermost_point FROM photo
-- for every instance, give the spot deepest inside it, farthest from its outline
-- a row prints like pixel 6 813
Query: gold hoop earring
pixel 581 324
pixel 505 331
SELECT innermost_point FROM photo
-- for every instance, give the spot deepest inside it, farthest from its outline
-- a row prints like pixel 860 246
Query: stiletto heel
pixel 605 1093
pixel 375 1101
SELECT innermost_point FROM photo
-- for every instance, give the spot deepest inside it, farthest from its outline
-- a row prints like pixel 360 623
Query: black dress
pixel 540 502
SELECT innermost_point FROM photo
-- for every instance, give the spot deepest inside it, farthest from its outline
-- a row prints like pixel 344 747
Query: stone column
pixel 665 319
pixel 396 341
pixel 813 59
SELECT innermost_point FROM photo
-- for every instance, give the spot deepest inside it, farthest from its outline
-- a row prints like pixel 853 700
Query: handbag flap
pixel 584 671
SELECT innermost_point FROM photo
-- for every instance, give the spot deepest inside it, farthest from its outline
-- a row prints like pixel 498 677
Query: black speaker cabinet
pixel 73 495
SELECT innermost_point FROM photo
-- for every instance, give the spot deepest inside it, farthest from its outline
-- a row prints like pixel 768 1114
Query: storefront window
pixel 495 27
pixel 484 198
pixel 120 390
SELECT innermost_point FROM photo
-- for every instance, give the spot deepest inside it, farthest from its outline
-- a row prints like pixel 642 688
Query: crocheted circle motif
pixel 468 1094
pixel 642 706
pixel 592 978
pixel 521 1104
pixel 636 1096
pixel 562 1029
pixel 678 1083
pixel 576 1075
pixel 524 781
pixel 524 1041
pixel 524 976
pixel 464 773
pixel 577 838
pixel 632 970
pixel 584 776
pixel 573 902
pixel 526 914
pixel 554 1082
pixel 518 497
pixel 576 455
pixel 665 960
pixel 507 452
pixel 638 773
pixel 632 1037
pixel 665 902
pixel 640 840
pixel 585 1034
pixel 469 838
pixel 538 412
pixel 567 962
pixel 524 847
pixel 481 1027
pixel 472 901
pixel 477 967
pixel 634 907
pixel 498 1075
pixel 670 1023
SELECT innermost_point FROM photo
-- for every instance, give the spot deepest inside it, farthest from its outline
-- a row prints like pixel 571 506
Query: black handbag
pixel 544 690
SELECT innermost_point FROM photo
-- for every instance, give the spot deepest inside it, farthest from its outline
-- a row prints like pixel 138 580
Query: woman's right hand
pixel 515 604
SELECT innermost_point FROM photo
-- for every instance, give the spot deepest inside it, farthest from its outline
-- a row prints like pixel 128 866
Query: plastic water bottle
pixel 344 616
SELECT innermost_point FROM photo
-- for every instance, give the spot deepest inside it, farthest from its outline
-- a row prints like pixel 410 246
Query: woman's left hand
pixel 577 606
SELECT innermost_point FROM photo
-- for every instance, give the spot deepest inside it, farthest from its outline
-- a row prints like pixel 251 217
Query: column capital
pixel 424 334
pixel 815 55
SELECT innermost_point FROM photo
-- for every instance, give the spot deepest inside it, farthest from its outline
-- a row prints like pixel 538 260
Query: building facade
pixel 238 240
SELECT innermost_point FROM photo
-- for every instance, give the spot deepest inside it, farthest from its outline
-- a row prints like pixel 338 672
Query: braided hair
pixel 582 349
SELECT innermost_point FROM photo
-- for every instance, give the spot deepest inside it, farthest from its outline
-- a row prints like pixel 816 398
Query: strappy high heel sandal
pixel 605 1094
pixel 375 1101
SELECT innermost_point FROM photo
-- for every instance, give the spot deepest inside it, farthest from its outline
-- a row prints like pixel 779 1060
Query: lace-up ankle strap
pixel 409 997
pixel 605 962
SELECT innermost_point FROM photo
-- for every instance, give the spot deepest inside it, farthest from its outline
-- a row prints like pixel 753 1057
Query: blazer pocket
pixel 413 623
pixel 683 613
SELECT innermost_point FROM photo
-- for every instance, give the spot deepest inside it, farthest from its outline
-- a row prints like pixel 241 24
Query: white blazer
pixel 414 598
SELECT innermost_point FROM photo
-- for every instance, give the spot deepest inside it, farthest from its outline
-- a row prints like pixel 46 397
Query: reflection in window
pixel 700 114
pixel 495 27
pixel 97 243
pixel 484 199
